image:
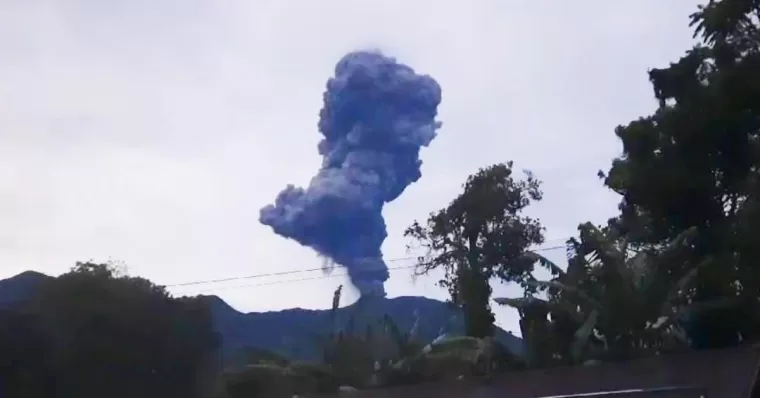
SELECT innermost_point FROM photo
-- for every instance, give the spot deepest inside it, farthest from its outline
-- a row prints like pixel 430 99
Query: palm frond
pixel 544 262
pixel 568 289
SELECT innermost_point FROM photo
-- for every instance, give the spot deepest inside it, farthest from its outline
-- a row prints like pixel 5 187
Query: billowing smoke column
pixel 377 114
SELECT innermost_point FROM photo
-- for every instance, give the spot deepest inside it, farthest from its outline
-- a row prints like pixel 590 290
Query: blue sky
pixel 151 132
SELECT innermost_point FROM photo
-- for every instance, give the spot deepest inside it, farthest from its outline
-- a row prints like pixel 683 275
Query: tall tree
pixel 695 162
pixel 480 235
pixel 121 336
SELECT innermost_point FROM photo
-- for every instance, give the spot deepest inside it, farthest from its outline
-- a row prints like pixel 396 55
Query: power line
pixel 331 275
pixel 265 275
pixel 282 273
pixel 543 249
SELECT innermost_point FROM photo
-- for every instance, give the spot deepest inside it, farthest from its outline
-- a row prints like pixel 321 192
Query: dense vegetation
pixel 92 332
pixel 675 270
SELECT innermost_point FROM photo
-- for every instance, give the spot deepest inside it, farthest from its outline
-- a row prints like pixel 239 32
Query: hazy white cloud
pixel 152 132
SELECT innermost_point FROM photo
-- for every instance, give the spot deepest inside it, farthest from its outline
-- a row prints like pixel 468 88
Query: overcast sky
pixel 151 132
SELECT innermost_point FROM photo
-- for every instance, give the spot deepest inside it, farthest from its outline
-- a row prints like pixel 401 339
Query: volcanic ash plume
pixel 377 114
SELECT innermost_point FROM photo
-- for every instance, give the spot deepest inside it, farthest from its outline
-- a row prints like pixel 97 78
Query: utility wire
pixel 265 275
pixel 282 273
pixel 330 275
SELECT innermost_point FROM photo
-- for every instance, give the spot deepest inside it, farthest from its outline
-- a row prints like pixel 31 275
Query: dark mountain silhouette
pixel 296 332
pixel 20 287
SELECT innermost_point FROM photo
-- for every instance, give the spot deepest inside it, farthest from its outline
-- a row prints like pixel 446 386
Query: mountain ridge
pixel 295 332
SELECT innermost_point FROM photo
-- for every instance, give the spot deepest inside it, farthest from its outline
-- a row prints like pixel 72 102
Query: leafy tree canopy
pixel 694 163
pixel 480 235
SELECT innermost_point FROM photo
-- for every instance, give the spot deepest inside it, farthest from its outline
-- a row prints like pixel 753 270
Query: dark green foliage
pixel 481 235
pixel 99 334
pixel 257 381
pixel 25 357
pixel 695 163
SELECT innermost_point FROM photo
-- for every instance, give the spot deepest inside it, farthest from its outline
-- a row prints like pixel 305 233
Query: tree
pixel 613 302
pixel 26 356
pixel 695 163
pixel 121 336
pixel 480 235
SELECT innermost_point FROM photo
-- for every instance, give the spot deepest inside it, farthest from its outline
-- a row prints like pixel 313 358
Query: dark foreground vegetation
pixel 676 270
